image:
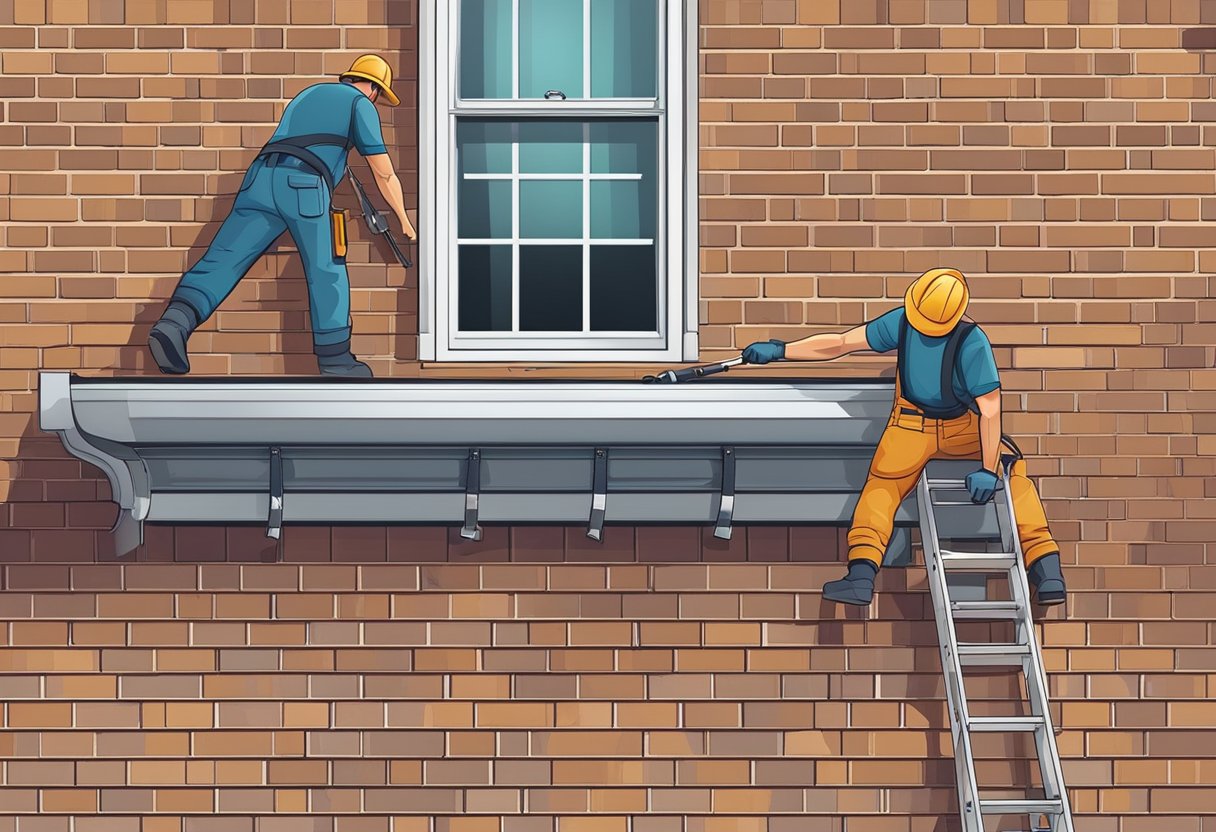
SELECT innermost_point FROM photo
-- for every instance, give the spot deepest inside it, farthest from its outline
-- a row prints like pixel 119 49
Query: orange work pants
pixel 907 445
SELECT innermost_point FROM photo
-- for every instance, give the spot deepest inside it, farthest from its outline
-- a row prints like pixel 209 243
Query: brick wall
pixel 1060 153
pixel 589 697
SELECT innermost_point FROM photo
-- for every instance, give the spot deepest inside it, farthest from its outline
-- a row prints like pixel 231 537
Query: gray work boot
pixel 337 360
pixel 167 340
pixel 856 588
pixel 1047 579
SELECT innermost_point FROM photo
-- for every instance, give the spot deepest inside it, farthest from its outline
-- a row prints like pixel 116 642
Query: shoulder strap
pixel 900 350
pixel 350 127
pixel 949 360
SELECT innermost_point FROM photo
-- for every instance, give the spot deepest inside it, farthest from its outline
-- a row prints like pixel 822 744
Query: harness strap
pixel 950 366
pixel 297 148
pixel 315 138
pixel 311 160
pixel 951 407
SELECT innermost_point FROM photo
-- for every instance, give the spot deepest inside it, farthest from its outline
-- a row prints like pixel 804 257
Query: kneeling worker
pixel 947 406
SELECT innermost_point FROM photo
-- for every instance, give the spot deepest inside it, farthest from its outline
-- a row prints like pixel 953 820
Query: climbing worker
pixel 290 187
pixel 947 406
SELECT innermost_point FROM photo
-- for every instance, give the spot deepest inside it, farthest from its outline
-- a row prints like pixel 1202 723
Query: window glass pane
pixel 550 47
pixel 622 209
pixel 624 289
pixel 485 49
pixel 625 146
pixel 552 209
pixel 484 293
pixel 550 288
pixel 484 208
pixel 550 146
pixel 624 48
pixel 484 146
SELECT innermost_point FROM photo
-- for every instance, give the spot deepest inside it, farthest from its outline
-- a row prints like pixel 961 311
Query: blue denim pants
pixel 273 199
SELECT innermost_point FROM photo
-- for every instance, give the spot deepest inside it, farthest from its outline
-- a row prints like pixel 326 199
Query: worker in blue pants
pixel 289 187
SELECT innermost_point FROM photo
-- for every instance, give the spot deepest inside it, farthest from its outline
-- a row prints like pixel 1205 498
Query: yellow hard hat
pixel 375 69
pixel 936 301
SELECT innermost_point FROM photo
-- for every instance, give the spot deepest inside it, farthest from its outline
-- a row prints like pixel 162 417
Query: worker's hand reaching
pixel 762 352
pixel 982 485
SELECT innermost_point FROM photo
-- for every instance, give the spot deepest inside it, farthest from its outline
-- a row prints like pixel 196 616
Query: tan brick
pixel 1157 183
pixel 39 715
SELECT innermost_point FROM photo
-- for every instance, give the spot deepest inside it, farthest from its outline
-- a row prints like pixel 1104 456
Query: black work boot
pixel 337 360
pixel 167 340
pixel 1048 580
pixel 856 588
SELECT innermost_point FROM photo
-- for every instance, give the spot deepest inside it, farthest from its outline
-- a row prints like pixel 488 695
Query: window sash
pixel 581 97
pixel 585 241
pixel 440 110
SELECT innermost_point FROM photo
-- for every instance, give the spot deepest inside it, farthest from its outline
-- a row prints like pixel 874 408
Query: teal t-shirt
pixel 975 366
pixel 327 108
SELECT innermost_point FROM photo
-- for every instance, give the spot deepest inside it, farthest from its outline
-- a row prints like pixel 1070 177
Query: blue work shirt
pixel 975 366
pixel 327 108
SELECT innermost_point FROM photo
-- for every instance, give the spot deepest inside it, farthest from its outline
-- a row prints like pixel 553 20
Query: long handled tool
pixel 692 373
pixel 377 221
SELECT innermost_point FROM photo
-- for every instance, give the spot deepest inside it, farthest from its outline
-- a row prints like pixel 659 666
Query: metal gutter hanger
pixel 472 496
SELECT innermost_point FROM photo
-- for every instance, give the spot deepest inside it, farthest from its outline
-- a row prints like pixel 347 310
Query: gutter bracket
pixel 472 496
pixel 599 496
pixel 274 521
pixel 726 500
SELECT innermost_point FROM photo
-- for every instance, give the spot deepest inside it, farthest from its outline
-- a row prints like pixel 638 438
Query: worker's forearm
pixel 390 189
pixel 822 347
pixel 990 439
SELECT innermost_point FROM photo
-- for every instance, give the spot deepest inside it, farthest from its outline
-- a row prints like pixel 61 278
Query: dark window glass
pixel 624 289
pixel 550 288
pixel 484 294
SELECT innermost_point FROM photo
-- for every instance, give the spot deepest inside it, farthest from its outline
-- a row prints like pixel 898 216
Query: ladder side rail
pixel 1036 676
pixel 947 639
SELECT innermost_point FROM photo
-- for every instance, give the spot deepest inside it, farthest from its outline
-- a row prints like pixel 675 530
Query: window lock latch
pixel 551 94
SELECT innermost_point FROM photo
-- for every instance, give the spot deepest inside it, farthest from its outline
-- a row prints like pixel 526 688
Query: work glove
pixel 763 352
pixel 982 485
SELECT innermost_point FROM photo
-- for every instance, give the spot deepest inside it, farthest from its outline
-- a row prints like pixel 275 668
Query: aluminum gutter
pixel 484 412
pixel 280 451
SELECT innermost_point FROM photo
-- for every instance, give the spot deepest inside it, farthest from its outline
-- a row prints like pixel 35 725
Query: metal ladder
pixel 1052 809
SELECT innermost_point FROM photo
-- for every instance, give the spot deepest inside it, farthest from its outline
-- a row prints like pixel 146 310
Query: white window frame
pixel 679 256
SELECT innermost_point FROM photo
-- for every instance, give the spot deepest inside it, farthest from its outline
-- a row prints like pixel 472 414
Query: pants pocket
pixel 308 194
pixel 962 426
pixel 960 437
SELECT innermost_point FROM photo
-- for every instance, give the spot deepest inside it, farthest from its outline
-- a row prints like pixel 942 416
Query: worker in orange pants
pixel 947 406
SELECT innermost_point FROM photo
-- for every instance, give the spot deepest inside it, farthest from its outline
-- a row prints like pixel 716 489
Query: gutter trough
pixel 722 452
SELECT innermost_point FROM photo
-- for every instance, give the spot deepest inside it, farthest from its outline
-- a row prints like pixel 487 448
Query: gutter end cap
pixel 55 402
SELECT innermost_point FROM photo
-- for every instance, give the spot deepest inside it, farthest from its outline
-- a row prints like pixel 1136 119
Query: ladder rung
pixel 977 561
pixel 995 655
pixel 1006 724
pixel 947 483
pixel 986 610
pixel 1035 806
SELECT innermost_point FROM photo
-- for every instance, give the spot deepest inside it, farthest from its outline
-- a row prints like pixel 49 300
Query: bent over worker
pixel 289 187
pixel 947 406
